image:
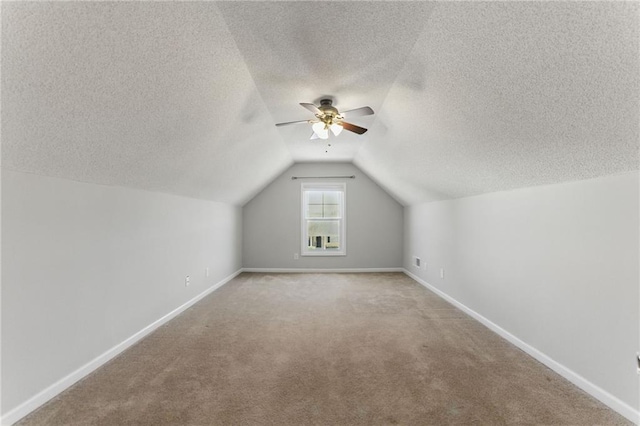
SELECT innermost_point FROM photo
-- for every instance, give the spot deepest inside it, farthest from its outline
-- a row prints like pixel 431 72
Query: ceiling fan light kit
pixel 329 118
pixel 336 128
pixel 321 130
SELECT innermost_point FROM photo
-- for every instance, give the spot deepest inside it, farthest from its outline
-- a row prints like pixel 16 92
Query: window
pixel 323 226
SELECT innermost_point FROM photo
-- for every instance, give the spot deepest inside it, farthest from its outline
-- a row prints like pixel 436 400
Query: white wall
pixel 556 266
pixel 271 223
pixel 87 266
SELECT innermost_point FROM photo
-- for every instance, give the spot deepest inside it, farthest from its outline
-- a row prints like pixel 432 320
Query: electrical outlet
pixel 442 273
pixel 187 281
pixel 295 256
pixel 417 262
pixel 206 272
pixel 638 361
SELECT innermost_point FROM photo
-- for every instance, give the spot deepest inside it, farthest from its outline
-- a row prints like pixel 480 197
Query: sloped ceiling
pixel 183 97
pixel 138 94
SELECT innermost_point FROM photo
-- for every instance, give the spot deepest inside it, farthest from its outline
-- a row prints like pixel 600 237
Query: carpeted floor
pixel 323 349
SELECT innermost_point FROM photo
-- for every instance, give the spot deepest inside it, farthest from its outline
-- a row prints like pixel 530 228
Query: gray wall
pixel 271 223
pixel 556 266
pixel 87 266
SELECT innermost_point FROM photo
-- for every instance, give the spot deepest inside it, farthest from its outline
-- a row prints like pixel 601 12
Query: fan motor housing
pixel 327 109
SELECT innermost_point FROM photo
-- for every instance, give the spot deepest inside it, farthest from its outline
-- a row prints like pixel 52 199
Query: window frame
pixel 333 186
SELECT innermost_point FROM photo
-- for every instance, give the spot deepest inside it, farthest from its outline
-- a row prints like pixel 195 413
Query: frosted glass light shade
pixel 321 130
pixel 336 128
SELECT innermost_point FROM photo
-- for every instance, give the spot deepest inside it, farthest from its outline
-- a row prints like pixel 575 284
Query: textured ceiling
pixel 300 52
pixel 183 97
pixel 501 95
pixel 140 94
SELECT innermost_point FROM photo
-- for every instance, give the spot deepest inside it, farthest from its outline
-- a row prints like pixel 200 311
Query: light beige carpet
pixel 323 349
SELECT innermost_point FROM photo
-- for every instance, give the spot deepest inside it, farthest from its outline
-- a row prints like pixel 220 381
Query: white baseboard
pixel 42 397
pixel 597 392
pixel 319 271
pixel 61 385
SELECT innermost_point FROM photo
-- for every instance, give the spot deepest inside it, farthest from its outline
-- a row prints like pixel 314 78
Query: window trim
pixel 336 186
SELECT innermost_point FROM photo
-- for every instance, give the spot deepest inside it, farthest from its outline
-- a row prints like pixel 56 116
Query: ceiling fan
pixel 329 118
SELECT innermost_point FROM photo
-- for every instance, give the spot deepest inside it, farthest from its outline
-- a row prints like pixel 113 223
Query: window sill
pixel 323 253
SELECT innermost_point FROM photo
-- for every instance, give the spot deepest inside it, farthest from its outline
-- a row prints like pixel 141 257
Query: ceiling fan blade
pixel 353 128
pixel 291 122
pixel 358 112
pixel 311 107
